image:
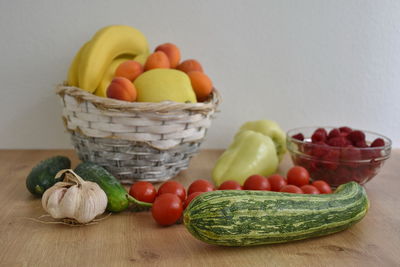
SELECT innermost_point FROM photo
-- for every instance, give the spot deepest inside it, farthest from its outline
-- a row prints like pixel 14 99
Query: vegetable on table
pixel 246 218
pixel 118 197
pixel 250 153
pixel 167 209
pixel 74 198
pixel 269 128
pixel 42 175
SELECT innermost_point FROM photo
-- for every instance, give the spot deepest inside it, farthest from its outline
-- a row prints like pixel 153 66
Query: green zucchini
pixel 118 198
pixel 245 218
pixel 42 175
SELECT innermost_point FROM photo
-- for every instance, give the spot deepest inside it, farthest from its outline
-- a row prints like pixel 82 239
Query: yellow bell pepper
pixel 271 129
pixel 250 153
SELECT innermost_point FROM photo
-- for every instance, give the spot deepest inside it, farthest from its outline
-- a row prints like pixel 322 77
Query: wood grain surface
pixel 134 239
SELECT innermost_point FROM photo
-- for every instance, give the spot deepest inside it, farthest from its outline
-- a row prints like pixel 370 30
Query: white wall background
pixel 308 62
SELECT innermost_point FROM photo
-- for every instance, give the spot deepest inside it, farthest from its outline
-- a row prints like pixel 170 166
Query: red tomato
pixel 276 181
pixel 291 189
pixel 200 185
pixel 322 186
pixel 190 198
pixel 230 185
pixel 298 175
pixel 143 191
pixel 257 182
pixel 167 209
pixel 173 187
pixel 309 189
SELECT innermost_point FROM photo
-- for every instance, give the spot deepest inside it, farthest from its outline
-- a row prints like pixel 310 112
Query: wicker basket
pixel 136 141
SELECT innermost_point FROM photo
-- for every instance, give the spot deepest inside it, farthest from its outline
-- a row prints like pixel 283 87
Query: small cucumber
pixel 118 198
pixel 42 175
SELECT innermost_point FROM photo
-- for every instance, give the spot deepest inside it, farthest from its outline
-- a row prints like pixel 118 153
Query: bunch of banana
pixel 110 72
pixel 96 59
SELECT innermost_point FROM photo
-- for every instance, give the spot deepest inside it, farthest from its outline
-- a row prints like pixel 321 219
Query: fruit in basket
pixel 73 71
pixel 247 218
pixel 42 175
pixel 122 89
pixel 141 58
pixel 107 44
pixel 250 153
pixel 129 69
pixel 173 53
pixel 157 60
pixel 189 65
pixel 109 75
pixel 164 84
pixel 201 84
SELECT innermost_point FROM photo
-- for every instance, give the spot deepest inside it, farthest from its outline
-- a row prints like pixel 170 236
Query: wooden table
pixel 134 239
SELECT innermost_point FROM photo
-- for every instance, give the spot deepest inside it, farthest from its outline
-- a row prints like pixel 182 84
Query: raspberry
pixel 361 144
pixel 298 136
pixel 378 142
pixel 356 136
pixel 345 130
pixel 339 142
pixel 331 159
pixel 315 165
pixel 334 133
pixel 319 135
pixel 350 153
pixel 320 150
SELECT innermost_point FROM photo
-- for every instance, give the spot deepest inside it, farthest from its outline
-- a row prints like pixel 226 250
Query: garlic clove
pixel 53 202
pixel 95 204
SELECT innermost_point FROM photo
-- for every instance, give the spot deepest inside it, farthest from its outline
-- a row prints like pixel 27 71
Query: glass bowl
pixel 337 165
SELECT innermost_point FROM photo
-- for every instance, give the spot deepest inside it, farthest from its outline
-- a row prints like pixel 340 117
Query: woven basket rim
pixel 118 105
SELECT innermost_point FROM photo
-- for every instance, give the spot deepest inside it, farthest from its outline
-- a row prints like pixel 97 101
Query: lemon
pixel 158 85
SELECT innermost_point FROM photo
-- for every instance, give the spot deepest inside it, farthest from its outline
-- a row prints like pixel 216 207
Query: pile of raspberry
pixel 336 157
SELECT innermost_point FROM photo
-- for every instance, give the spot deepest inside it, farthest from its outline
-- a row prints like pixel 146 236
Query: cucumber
pixel 118 198
pixel 246 218
pixel 42 175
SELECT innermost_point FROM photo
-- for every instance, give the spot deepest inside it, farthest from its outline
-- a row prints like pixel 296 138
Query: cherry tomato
pixel 291 189
pixel 309 189
pixel 143 191
pixel 230 185
pixel 298 175
pixel 257 182
pixel 200 185
pixel 173 187
pixel 322 186
pixel 190 198
pixel 167 209
pixel 276 181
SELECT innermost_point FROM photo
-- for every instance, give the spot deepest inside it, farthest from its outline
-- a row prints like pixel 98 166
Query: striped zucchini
pixel 246 218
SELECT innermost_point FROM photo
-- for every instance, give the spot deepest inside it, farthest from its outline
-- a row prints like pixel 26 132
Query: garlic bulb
pixel 74 198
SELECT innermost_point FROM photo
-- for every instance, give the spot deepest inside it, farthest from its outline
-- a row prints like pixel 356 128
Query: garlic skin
pixel 74 198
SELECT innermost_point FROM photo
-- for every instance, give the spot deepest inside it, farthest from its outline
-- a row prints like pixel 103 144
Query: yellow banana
pixel 110 74
pixel 72 78
pixel 141 58
pixel 107 44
